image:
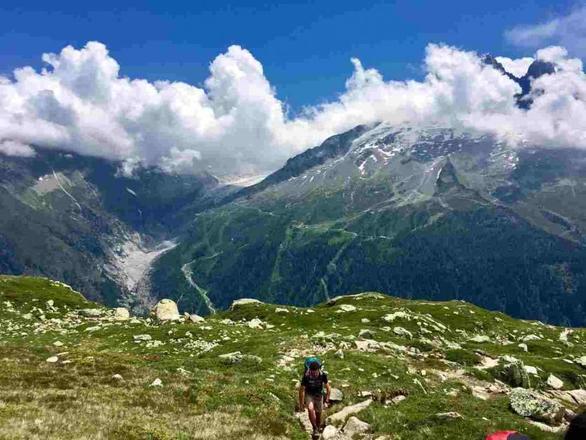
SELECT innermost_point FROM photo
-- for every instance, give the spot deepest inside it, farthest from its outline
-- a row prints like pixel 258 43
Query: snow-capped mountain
pixel 422 212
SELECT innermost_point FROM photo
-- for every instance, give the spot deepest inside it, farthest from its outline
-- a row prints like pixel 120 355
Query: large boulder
pixel 121 314
pixel 166 310
pixel 530 404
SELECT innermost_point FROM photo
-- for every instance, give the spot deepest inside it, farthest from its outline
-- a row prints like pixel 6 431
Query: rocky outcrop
pixel 528 403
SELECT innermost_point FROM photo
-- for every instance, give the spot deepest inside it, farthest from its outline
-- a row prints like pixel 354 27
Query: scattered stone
pixel 93 328
pixel 156 383
pixel 481 339
pixel 397 315
pixel 347 308
pixel 452 415
pixel 166 310
pixel 340 416
pixel 117 377
pixel 531 370
pixel 52 359
pixel 58 344
pixel 237 357
pixel 121 314
pixel 256 324
pixel 531 338
pixel 336 395
pixel 195 318
pixel 367 345
pixel 355 426
pixel 555 382
pixel 523 347
pixel 91 313
pixel 365 334
pixel 400 331
pixel 365 320
pixel 581 361
pixel 140 338
pixel 530 404
pixel 339 354
pixel 281 310
pixel 398 399
pixel 244 301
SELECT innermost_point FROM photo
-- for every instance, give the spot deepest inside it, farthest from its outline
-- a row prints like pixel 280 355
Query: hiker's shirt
pixel 314 385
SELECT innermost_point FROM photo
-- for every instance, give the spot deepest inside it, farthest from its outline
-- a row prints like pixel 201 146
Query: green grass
pixel 203 397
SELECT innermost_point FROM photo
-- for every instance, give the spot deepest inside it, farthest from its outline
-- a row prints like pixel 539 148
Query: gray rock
pixel 400 331
pixel 140 338
pixel 347 308
pixel 554 382
pixel 530 404
pixel 452 415
pixel 156 383
pixel 344 413
pixel 355 426
pixel 166 310
pixel 91 313
pixel 581 361
pixel 336 395
pixel 366 334
pixel 256 324
pixel 52 359
pixel 330 433
pixel 195 318
pixel 121 314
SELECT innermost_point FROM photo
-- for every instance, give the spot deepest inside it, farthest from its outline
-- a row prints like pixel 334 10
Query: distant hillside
pixel 72 369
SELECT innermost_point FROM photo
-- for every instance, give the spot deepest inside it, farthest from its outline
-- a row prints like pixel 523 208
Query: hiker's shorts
pixel 318 402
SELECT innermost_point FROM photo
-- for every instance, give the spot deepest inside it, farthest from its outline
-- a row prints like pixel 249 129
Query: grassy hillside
pixel 70 373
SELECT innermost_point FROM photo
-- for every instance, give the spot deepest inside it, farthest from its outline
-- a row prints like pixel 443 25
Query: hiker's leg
pixel 318 405
pixel 311 414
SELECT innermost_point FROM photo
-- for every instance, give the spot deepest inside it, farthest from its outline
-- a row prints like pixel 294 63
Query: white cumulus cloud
pixel 236 125
pixel 568 31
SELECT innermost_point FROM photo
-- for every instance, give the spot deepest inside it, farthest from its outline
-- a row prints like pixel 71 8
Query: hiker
pixel 577 429
pixel 507 435
pixel 311 391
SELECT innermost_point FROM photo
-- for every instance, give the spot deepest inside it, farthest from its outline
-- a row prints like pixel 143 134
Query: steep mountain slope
pixel 417 369
pixel 420 212
pixel 77 219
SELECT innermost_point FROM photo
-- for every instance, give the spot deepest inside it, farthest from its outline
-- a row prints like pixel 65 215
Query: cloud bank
pixel 235 124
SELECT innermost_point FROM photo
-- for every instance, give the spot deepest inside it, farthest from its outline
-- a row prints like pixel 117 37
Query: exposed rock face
pixel 244 301
pixel 528 403
pixel 166 310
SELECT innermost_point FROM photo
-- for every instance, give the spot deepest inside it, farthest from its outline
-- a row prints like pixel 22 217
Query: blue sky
pixel 304 46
